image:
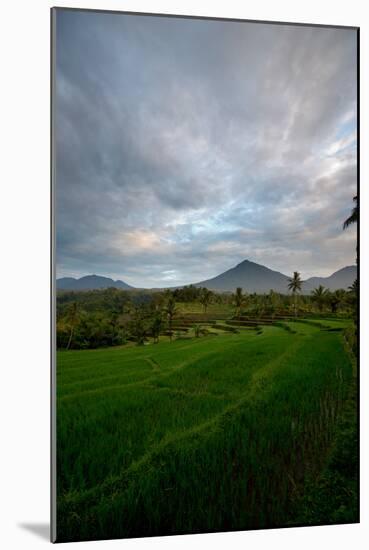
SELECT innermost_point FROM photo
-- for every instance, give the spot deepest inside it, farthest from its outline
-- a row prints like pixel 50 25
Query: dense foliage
pixel 110 317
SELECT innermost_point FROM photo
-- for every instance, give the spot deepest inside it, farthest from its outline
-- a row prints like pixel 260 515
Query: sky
pixel 183 147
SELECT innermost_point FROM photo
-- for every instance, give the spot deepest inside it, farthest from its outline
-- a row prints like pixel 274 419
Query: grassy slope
pixel 209 434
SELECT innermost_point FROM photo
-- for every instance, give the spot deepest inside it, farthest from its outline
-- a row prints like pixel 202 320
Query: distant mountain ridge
pixel 250 276
pixel 342 278
pixel 90 282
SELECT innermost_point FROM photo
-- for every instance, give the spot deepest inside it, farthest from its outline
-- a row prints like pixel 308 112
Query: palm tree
pixel 138 324
pixel 352 295
pixel 156 326
pixel 354 215
pixel 72 316
pixel 171 311
pixel 274 301
pixel 295 284
pixel 336 298
pixel 319 295
pixel 239 299
pixel 354 287
pixel 205 298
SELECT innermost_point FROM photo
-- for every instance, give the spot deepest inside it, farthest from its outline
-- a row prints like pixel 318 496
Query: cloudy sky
pixel 186 146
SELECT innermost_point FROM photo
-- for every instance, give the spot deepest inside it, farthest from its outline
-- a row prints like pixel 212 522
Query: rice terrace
pixel 228 421
pixel 205 318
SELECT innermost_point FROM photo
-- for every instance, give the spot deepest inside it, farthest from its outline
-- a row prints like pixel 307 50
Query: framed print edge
pixel 53 431
pixel 53 275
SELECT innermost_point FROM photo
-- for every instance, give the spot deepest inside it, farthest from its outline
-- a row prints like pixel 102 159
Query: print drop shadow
pixel 42 530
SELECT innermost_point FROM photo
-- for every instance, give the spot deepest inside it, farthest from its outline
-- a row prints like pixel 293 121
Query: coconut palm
pixel 352 296
pixel 319 296
pixel 239 300
pixel 295 284
pixel 354 215
pixel 273 302
pixel 205 298
pixel 156 326
pixel 171 310
pixel 138 325
pixel 354 287
pixel 72 318
pixel 336 298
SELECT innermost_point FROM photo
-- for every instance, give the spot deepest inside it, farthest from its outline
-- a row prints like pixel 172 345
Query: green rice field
pixel 221 432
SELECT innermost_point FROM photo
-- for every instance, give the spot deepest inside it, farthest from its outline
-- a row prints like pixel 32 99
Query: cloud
pixel 185 146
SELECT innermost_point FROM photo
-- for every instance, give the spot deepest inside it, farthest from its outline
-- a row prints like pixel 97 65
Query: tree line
pixel 110 317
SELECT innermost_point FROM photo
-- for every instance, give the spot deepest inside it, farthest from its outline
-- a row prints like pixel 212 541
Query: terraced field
pixel 202 434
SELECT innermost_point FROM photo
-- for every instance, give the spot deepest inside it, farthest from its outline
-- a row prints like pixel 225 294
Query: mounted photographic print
pixel 205 319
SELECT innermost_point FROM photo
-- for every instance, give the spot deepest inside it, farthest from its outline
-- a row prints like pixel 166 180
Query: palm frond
pixel 354 216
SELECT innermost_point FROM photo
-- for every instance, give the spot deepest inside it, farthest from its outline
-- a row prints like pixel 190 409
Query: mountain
pixel 250 276
pixel 253 277
pixel 342 278
pixel 89 282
